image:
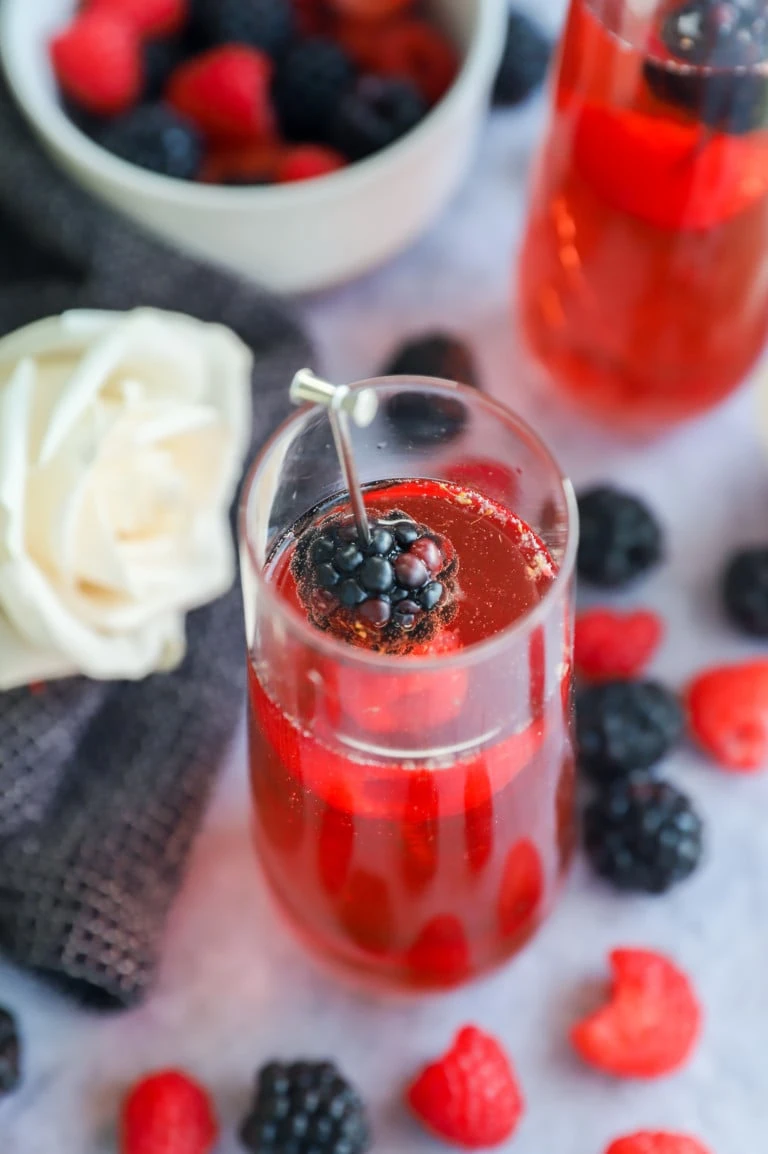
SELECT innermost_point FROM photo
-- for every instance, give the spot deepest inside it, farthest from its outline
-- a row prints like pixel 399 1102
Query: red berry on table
pixel 728 714
pixel 308 161
pixel 470 1096
pixel 656 1142
pixel 416 50
pixel 649 1026
pixel 226 93
pixel 608 644
pixel 148 17
pixel 97 62
pixel 167 1113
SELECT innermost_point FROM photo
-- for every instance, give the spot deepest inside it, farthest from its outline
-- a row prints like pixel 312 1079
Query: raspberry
pixel 374 114
pixel 156 138
pixel 225 92
pixel 307 162
pixel 522 888
pixel 728 714
pixel 371 9
pixel 305 1108
pixel 148 17
pixel 619 537
pixel 10 1048
pixel 97 62
pixel 167 1113
pixel 525 61
pixel 625 726
pixel 470 1096
pixel 745 590
pixel 440 955
pixel 309 86
pixel 646 1142
pixel 415 50
pixel 664 171
pixel 609 645
pixel 651 1023
pixel 643 836
pixel 242 164
pixel 265 24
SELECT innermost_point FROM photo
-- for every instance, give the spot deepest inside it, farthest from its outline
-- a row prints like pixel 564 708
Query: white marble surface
pixel 235 988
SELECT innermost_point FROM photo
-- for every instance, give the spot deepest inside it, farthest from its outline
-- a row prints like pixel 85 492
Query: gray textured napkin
pixel 103 785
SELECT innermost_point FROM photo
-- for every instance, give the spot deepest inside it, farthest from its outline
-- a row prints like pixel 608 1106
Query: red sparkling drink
pixel 642 282
pixel 414 809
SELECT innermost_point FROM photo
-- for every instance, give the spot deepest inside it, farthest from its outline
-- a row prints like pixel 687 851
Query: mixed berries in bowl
pixel 250 92
pixel 299 142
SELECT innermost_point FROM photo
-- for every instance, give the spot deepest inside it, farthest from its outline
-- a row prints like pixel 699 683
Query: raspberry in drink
pixel 409 707
pixel 642 284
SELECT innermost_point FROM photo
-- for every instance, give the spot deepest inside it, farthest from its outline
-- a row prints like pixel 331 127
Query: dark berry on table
pixel 745 590
pixel 309 85
pixel 266 24
pixel 434 355
pixel 161 59
pixel 158 139
pixel 527 51
pixel 619 537
pixel 375 113
pixel 10 1053
pixel 402 582
pixel 643 835
pixel 625 727
pixel 305 1108
pixel 421 419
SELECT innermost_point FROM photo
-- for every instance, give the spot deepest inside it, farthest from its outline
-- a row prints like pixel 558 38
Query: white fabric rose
pixel 122 438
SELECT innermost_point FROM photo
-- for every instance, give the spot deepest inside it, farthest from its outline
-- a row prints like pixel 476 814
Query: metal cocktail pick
pixel 341 403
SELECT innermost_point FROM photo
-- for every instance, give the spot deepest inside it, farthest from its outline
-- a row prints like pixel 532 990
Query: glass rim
pixel 333 647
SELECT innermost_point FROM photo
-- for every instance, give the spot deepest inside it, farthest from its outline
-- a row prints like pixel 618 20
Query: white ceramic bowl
pixel 290 237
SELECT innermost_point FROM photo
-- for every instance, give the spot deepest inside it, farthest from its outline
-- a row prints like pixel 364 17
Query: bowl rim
pixel 62 135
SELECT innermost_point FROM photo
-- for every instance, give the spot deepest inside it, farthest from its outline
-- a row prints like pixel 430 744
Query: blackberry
pixel 623 727
pixel 305 1108
pixel 619 537
pixel 745 590
pixel 387 595
pixel 527 51
pixel 161 59
pixel 156 138
pixel 10 1066
pixel 643 835
pixel 269 25
pixel 715 47
pixel 374 114
pixel 309 85
pixel 424 420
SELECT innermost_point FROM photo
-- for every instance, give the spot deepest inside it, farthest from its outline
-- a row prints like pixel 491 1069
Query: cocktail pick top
pixel 341 403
